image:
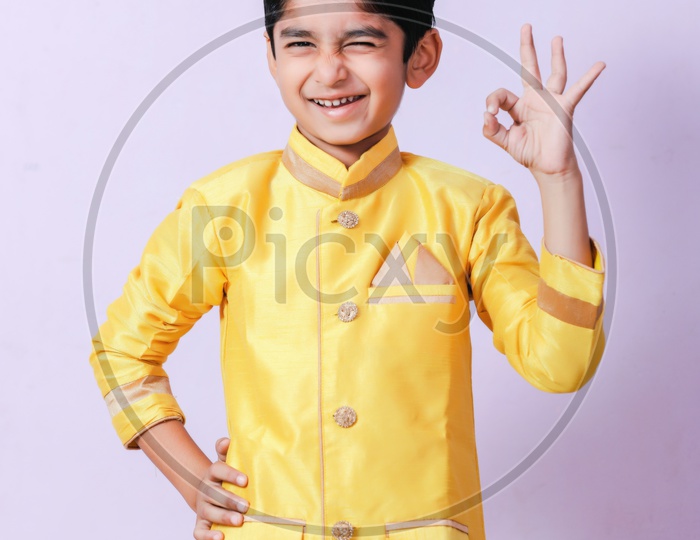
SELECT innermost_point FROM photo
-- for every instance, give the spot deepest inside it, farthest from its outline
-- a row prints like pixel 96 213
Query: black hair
pixel 415 17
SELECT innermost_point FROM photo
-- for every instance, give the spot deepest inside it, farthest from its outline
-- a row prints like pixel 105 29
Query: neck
pixel 349 153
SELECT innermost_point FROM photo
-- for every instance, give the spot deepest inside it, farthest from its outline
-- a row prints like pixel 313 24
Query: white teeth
pixel 336 102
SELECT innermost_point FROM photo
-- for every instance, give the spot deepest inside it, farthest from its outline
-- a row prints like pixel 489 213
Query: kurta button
pixel 347 311
pixel 345 416
pixel 348 219
pixel 342 530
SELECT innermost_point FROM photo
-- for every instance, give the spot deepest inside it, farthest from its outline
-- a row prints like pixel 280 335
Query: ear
pixel 271 62
pixel 425 59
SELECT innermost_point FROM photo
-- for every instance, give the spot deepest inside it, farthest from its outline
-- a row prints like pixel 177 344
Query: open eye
pixel 299 44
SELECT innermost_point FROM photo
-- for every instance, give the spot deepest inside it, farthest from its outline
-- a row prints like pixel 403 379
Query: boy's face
pixel 355 58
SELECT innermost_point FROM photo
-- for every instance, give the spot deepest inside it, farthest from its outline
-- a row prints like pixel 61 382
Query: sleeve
pixel 546 316
pixel 179 278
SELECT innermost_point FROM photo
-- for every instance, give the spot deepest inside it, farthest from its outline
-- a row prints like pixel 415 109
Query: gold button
pixel 348 219
pixel 347 311
pixel 342 530
pixel 345 416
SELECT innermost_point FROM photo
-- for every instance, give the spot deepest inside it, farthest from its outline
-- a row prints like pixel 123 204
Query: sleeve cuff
pixel 571 277
pixel 571 291
pixel 142 415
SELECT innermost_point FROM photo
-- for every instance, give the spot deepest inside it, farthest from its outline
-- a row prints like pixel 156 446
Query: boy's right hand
pixel 214 504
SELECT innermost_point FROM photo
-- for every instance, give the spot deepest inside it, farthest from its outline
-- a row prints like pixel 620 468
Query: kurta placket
pixel 345 345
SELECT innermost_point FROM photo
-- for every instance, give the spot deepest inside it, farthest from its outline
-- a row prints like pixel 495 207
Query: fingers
pixel 502 99
pixel 215 495
pixel 221 472
pixel 232 514
pixel 216 504
pixel 580 87
pixel 530 70
pixel 499 99
pixel 557 79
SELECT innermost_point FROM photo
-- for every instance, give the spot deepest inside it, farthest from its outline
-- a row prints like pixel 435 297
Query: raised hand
pixel 541 136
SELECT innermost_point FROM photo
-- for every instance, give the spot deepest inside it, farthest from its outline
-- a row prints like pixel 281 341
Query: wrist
pixel 169 446
pixel 567 176
pixel 568 180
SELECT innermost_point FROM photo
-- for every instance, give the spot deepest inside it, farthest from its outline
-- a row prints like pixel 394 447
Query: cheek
pixel 291 77
pixel 389 81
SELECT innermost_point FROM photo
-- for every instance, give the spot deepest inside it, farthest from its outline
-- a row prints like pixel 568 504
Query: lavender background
pixel 72 75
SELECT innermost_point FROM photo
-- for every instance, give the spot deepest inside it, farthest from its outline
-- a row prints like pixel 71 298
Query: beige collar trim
pixel 314 178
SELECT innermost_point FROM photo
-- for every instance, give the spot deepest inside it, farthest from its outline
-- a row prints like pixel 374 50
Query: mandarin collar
pixel 319 170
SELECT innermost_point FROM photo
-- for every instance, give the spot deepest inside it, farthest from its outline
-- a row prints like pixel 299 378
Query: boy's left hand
pixel 541 136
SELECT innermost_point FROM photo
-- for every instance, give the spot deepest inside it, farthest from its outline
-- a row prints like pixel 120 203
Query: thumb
pixel 494 131
pixel 222 447
pixel 203 526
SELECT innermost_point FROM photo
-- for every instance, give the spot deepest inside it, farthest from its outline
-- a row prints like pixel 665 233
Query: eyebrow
pixel 363 31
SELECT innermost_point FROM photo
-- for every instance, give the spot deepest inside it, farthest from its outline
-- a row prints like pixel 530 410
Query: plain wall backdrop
pixel 74 73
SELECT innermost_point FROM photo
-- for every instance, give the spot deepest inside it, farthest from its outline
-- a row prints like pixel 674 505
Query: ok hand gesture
pixel 541 135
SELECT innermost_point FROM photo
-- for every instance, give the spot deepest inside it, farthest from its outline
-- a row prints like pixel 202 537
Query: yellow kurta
pixel 345 348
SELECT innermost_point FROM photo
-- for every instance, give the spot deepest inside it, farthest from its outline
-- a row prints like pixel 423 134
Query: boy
pixel 343 269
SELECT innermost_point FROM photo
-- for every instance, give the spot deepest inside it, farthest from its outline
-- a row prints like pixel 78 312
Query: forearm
pixel 169 446
pixel 564 212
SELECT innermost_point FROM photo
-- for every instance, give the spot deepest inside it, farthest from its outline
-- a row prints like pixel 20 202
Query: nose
pixel 330 69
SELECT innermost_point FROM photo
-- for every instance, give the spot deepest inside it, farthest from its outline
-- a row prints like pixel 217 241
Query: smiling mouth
pixel 337 103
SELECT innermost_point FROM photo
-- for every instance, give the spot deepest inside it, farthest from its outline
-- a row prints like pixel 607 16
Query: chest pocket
pixel 411 263
pixel 413 294
pixel 415 287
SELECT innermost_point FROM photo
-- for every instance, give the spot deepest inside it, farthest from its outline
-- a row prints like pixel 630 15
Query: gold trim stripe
pixel 136 390
pixel 426 523
pixel 274 520
pixel 379 176
pixel 306 174
pixel 566 308
pixel 312 177
pixel 320 370
pixel 415 299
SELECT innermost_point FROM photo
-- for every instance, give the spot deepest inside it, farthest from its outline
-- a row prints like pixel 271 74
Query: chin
pixel 345 136
pixel 343 141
